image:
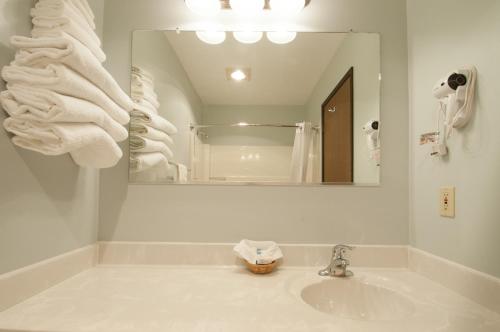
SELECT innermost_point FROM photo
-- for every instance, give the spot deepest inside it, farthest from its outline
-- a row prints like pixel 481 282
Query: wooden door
pixel 337 124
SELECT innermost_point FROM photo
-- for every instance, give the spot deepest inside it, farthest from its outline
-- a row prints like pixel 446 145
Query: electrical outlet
pixel 447 202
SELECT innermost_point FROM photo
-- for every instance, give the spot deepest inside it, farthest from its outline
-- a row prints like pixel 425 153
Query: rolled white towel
pixel 40 52
pixel 141 144
pixel 60 8
pixel 140 162
pixel 88 144
pixel 35 104
pixel 154 121
pixel 63 80
pixel 143 130
pixel 55 27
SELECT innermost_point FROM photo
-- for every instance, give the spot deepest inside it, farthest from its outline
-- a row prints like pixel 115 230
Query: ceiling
pixel 280 74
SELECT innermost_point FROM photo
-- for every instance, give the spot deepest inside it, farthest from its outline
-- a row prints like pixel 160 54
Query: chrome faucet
pixel 338 264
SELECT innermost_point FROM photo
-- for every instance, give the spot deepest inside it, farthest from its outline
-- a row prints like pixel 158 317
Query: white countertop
pixel 209 299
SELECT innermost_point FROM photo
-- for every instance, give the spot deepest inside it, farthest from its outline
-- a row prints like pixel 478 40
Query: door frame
pixel 349 74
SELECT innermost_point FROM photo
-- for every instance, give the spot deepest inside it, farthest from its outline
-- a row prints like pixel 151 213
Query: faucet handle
pixel 340 250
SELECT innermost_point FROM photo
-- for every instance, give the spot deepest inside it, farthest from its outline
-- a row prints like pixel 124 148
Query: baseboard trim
pixel 480 287
pixel 21 284
pixel 295 255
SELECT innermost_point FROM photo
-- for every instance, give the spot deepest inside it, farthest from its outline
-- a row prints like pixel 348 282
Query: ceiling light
pixel 247 7
pixel 211 37
pixel 247 37
pixel 281 37
pixel 287 7
pixel 204 7
pixel 238 75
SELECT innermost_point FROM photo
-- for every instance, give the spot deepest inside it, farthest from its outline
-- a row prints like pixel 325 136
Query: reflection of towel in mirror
pixel 65 81
pixel 154 121
pixel 40 52
pixel 141 144
pixel 147 99
pixel 145 105
pixel 74 9
pixel 56 26
pixel 142 130
pixel 88 144
pixel 143 74
pixel 44 105
pixel 140 162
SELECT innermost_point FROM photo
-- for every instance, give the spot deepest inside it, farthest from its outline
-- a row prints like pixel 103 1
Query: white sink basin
pixel 356 299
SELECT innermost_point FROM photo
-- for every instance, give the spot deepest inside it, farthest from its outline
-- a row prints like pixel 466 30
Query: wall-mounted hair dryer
pixel 371 130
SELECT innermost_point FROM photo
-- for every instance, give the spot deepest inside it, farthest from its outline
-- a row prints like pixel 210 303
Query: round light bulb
pixel 287 7
pixel 204 7
pixel 247 7
pixel 211 37
pixel 247 37
pixel 238 75
pixel 281 37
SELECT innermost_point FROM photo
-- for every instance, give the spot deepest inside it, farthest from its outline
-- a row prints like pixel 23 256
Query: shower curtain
pixel 300 154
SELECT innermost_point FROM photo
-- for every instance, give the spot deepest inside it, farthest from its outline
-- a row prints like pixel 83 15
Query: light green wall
pixel 361 51
pixel 442 36
pixel 48 205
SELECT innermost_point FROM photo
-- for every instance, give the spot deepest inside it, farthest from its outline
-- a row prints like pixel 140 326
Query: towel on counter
pixel 141 144
pixel 140 162
pixel 52 9
pixel 88 144
pixel 143 130
pixel 154 121
pixel 55 27
pixel 65 81
pixel 35 104
pixel 40 52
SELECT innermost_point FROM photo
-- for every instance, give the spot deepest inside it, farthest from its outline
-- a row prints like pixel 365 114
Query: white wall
pixel 48 205
pixel 179 103
pixel 286 214
pixel 444 35
pixel 361 51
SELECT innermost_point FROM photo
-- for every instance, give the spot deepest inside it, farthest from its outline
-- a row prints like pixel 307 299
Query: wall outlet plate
pixel 447 202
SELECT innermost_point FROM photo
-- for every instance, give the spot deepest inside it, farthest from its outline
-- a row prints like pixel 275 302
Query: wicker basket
pixel 261 268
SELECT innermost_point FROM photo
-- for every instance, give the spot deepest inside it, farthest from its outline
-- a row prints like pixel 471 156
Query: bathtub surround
pixel 437 45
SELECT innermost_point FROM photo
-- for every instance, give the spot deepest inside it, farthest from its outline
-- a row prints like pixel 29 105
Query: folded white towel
pixel 139 87
pixel 40 52
pixel 60 8
pixel 28 103
pixel 154 121
pixel 147 110
pixel 140 162
pixel 143 130
pixel 142 82
pixel 88 144
pixel 139 94
pixel 141 144
pixel 65 81
pixel 145 105
pixel 55 27
pixel 144 74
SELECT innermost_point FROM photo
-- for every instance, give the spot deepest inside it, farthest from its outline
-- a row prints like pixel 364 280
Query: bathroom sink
pixel 354 298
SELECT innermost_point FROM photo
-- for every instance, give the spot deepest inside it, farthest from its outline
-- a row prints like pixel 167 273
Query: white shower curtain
pixel 300 154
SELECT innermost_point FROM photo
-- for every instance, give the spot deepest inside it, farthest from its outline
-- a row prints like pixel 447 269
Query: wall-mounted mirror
pixel 255 108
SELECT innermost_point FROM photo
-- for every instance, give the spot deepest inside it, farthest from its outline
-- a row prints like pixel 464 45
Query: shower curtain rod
pixel 244 124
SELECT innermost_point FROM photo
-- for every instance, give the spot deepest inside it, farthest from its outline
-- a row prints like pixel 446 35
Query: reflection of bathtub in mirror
pixel 292 118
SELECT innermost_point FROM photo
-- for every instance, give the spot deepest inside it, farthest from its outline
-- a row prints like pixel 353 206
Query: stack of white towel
pixel 59 96
pixel 150 134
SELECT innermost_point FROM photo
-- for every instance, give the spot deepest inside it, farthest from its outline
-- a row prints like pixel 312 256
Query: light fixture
pixel 247 37
pixel 204 7
pixel 281 37
pixel 247 7
pixel 211 37
pixel 287 7
pixel 238 75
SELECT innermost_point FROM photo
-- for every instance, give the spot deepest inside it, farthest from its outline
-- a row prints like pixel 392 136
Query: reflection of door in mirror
pixel 337 118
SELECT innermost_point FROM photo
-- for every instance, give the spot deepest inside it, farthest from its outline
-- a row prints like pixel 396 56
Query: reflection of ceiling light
pixel 247 7
pixel 204 7
pixel 243 124
pixel 238 75
pixel 247 37
pixel 281 37
pixel 287 7
pixel 211 37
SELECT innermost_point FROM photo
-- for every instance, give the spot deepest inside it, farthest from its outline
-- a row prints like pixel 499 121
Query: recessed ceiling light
pixel 211 37
pixel 247 37
pixel 238 74
pixel 281 37
pixel 204 7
